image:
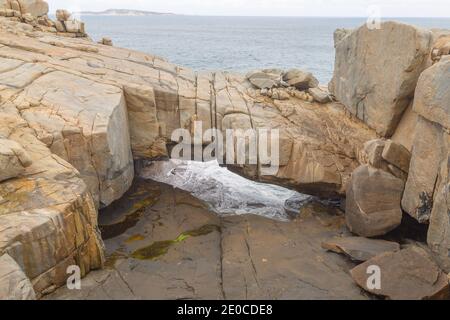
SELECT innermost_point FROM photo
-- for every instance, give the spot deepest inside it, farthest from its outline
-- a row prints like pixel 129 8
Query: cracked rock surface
pixel 213 258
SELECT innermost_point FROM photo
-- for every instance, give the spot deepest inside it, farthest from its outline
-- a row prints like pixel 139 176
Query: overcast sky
pixel 342 8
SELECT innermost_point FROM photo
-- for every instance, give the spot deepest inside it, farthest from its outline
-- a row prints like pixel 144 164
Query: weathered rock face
pixel 13 159
pixel 426 196
pixel 14 284
pixel 85 125
pixel 404 134
pixel 441 48
pixel 161 97
pixel 376 72
pixel 83 111
pixel 439 230
pixel 426 159
pixel 410 274
pixel 37 8
pixel 373 202
pixel 47 216
pixel 433 94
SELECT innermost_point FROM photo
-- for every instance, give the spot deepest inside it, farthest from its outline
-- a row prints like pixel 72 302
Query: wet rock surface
pixel 180 250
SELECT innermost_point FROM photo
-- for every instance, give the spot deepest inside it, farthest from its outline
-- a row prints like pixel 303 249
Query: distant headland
pixel 123 12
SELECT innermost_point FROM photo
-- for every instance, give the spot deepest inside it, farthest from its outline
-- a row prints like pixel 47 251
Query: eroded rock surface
pixel 179 250
pixel 426 196
pixel 376 72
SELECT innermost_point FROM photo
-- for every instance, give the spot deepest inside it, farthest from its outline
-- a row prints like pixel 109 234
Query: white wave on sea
pixel 225 192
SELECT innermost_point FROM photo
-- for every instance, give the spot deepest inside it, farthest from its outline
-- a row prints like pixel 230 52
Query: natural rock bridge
pixel 76 115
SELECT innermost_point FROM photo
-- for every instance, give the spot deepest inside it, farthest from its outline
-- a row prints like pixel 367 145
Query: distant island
pixel 123 12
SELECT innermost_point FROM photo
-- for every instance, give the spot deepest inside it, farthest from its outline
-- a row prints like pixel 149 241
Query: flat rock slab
pixel 180 250
pixel 409 274
pixel 359 248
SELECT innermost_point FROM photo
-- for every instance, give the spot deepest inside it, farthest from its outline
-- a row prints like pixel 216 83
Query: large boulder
pixel 47 215
pixel 300 79
pixel 37 8
pixel 14 284
pixel 376 72
pixel 85 125
pixel 427 155
pixel 432 98
pixel 426 196
pixel 439 230
pixel 409 274
pixel 62 15
pixel 373 202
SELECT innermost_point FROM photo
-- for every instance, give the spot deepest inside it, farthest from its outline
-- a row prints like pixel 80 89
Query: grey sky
pixel 342 8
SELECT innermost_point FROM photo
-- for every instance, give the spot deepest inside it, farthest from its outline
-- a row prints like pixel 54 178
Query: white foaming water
pixel 225 192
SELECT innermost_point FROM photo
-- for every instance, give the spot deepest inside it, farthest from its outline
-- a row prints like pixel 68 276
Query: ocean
pixel 235 43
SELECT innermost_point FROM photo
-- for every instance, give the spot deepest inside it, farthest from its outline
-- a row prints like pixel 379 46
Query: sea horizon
pixel 236 43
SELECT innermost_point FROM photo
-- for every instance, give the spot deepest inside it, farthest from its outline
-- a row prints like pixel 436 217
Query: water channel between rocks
pixel 189 230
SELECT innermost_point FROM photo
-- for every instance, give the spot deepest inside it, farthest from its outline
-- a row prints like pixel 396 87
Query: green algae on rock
pixel 160 248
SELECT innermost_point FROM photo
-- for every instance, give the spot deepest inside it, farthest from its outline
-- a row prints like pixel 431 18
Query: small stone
pixel 106 41
pixel 265 79
pixel 409 274
pixel 319 95
pixel 300 79
pixel 373 153
pixel 397 155
pixel 360 249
